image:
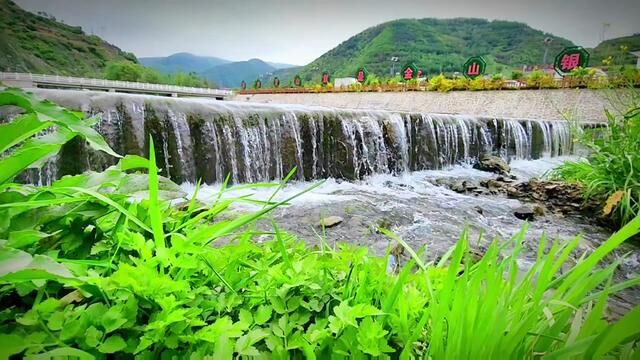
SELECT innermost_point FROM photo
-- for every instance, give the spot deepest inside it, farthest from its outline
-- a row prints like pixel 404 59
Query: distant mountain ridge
pixel 223 72
pixel 182 62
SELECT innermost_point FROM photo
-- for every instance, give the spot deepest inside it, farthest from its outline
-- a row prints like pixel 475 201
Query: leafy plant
pixel 612 165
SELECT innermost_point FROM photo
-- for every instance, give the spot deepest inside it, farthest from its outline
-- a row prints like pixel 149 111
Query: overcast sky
pixel 298 31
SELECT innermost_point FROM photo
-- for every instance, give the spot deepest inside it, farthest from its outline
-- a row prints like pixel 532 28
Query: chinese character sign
pixel 570 59
pixel 409 71
pixel 297 81
pixel 276 82
pixel 243 85
pixel 325 78
pixel 474 66
pixel 361 75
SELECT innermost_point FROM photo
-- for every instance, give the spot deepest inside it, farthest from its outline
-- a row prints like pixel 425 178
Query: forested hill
pixel 437 45
pixel 40 44
pixel 618 49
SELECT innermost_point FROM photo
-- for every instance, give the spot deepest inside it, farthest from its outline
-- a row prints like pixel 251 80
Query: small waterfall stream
pixel 198 138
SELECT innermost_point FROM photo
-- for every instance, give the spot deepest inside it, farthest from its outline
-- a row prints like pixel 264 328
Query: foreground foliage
pixel 86 271
pixel 611 169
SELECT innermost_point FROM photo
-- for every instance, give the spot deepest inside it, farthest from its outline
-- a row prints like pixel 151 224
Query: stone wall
pixel 556 104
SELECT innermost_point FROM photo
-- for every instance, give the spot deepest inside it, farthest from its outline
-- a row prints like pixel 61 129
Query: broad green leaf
pixel 129 162
pixel 49 112
pixel 17 265
pixel 24 238
pixel 112 344
pixel 63 352
pixel 93 336
pixel 31 152
pixel 11 344
pixel 263 314
pixel 244 344
pixel 20 129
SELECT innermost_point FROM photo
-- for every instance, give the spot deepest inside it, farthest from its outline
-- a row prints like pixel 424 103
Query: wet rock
pixel 529 212
pixel 505 179
pixel 479 210
pixel 458 187
pixel 493 164
pixel 330 221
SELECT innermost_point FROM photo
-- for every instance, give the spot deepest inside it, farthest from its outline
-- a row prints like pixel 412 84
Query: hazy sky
pixel 298 31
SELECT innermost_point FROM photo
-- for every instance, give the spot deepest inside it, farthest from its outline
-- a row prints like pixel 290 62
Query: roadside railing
pixel 109 84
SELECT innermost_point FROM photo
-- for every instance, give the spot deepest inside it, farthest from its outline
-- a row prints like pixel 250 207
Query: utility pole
pixel 547 42
pixel 394 60
pixel 605 26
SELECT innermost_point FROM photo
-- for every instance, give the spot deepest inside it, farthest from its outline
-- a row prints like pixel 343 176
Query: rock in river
pixel 330 221
pixel 529 212
pixel 492 163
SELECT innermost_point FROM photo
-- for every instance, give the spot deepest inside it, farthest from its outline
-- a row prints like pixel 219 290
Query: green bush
pixel 611 169
pixel 440 83
pixel 92 273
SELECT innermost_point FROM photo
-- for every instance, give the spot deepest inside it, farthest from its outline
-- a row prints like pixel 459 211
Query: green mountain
pixel 232 74
pixel 612 47
pixel 437 45
pixel 182 62
pixel 39 44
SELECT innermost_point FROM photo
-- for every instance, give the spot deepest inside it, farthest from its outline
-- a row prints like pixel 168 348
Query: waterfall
pixel 198 138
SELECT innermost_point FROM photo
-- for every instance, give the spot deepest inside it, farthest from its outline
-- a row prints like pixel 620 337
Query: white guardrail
pixel 111 84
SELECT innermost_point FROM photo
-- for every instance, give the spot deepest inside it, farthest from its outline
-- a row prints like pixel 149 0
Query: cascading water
pixel 198 138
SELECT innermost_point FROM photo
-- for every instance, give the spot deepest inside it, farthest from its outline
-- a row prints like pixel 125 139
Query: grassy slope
pixel 437 44
pixel 611 48
pixel 32 43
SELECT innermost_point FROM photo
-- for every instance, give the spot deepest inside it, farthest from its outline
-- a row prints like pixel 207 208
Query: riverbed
pixel 424 214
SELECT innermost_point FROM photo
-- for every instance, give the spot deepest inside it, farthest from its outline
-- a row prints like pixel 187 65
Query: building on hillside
pixel 346 82
pixel 636 54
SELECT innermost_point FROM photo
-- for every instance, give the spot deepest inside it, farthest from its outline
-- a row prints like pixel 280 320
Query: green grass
pixel 612 169
pixel 87 273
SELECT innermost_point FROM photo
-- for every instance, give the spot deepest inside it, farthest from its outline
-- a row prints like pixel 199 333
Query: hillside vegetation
pixel 618 49
pixel 437 45
pixel 39 44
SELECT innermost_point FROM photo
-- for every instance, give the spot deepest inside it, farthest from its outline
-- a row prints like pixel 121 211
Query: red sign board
pixel 409 71
pixel 570 59
pixel 325 78
pixel 361 75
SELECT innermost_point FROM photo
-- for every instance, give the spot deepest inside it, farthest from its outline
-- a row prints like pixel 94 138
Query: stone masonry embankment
pixel 551 104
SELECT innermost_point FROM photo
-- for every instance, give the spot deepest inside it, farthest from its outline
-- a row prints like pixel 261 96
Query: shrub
pixel 440 83
pixel 611 169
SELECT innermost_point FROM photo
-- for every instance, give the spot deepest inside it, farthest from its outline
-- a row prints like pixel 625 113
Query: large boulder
pixel 492 163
